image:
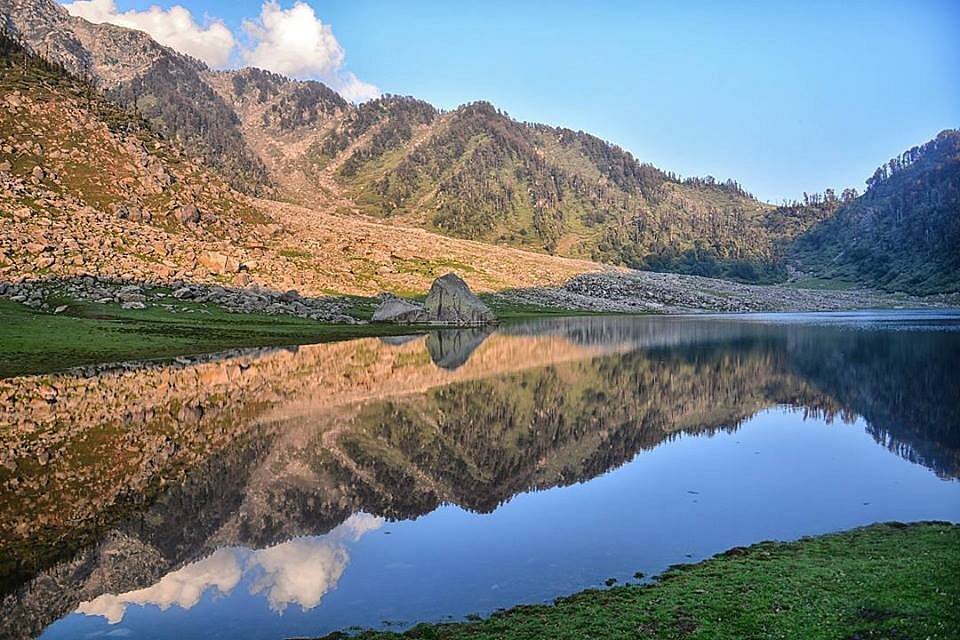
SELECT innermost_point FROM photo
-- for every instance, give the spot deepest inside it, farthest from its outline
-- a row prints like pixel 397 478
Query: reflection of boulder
pixel 449 302
pixel 451 349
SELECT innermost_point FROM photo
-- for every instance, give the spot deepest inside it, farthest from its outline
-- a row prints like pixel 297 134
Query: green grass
pixel 887 581
pixel 35 342
pixel 295 253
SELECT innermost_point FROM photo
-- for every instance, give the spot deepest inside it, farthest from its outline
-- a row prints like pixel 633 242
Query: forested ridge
pixel 476 173
pixel 903 234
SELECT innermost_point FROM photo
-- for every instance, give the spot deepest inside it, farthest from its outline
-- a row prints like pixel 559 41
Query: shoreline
pixel 56 326
pixel 886 580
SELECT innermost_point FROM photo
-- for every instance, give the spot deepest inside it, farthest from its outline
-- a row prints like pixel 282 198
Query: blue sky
pixel 784 97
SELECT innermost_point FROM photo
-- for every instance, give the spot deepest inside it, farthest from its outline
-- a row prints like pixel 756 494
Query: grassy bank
pixel 34 342
pixel 886 581
pixel 89 333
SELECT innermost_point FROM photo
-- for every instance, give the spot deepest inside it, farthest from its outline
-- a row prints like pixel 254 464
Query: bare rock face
pixel 399 311
pixel 450 301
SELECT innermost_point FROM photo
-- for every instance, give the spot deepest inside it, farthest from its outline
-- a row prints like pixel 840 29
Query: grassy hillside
pixel 91 188
pixel 62 137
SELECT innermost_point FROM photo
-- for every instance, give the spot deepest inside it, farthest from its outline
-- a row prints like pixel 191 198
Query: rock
pixel 450 301
pixel 38 173
pixel 6 166
pixel 399 311
pixel 188 214
pixel 131 293
pixel 218 262
pixel 133 305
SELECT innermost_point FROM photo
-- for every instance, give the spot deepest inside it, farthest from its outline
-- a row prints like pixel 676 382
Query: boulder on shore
pixel 450 302
pixel 399 312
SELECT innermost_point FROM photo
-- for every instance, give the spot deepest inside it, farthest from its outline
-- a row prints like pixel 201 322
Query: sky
pixel 784 97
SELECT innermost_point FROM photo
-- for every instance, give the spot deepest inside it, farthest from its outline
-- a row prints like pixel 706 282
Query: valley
pixel 281 183
pixel 288 353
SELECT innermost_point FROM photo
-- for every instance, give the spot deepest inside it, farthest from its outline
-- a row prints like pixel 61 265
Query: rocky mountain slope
pixel 472 173
pixel 476 173
pixel 88 188
pixel 133 70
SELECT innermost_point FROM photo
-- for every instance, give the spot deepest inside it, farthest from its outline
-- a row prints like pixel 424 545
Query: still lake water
pixel 292 492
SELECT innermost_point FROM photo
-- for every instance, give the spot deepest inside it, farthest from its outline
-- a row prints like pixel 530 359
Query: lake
pixel 278 493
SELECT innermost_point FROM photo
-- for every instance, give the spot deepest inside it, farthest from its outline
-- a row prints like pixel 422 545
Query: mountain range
pixel 477 174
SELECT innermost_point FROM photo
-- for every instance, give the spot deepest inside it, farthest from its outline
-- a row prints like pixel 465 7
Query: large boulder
pixel 450 301
pixel 399 312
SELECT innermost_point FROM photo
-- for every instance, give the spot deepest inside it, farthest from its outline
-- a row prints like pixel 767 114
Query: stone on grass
pixel 399 311
pixel 188 214
pixel 450 301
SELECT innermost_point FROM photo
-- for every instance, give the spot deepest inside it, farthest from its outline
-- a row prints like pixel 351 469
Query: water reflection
pixel 159 484
pixel 298 571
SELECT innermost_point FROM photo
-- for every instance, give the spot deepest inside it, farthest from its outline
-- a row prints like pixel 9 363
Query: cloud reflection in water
pixel 300 571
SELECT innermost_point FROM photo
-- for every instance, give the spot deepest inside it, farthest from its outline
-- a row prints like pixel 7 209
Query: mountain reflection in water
pixel 258 469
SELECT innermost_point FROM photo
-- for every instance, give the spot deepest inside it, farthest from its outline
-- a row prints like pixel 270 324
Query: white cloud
pixel 354 89
pixel 173 27
pixel 295 42
pixel 292 41
pixel 354 527
pixel 299 572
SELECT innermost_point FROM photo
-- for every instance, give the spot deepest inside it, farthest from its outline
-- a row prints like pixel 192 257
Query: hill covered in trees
pixel 476 173
pixel 903 234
